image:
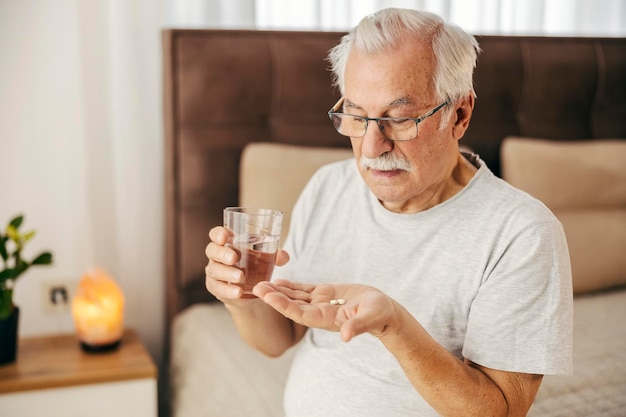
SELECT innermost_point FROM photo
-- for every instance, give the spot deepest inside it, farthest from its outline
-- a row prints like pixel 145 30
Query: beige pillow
pixel 273 175
pixel 569 175
pixel 584 183
pixel 597 245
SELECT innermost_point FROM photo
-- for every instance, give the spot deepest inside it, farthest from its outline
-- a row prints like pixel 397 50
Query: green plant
pixel 11 244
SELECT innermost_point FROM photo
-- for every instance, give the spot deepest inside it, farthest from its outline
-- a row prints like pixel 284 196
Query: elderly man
pixel 419 283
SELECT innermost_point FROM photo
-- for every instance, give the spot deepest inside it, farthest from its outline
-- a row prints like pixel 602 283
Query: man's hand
pixel 259 325
pixel 221 271
pixel 366 309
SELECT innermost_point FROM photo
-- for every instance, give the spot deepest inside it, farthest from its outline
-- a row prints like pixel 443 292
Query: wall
pixel 81 150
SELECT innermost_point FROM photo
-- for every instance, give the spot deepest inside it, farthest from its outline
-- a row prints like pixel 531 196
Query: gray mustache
pixel 385 162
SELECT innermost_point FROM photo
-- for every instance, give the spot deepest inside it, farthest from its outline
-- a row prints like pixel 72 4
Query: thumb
pixel 351 329
pixel 282 257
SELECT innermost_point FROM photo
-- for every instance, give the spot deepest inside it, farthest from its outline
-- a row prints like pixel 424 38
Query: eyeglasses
pixel 397 129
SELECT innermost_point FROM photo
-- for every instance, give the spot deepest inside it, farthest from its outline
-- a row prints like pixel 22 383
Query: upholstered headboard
pixel 227 88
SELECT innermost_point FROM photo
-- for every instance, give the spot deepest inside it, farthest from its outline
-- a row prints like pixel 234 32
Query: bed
pixel 238 102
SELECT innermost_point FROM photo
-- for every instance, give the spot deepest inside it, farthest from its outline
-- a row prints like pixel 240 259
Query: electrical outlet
pixel 56 296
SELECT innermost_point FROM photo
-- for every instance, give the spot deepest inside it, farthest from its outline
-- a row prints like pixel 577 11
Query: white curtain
pixel 536 17
pixel 211 13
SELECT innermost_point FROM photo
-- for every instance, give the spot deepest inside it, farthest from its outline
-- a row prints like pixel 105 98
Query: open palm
pixel 366 309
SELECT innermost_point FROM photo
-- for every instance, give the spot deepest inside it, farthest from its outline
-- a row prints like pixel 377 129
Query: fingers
pixel 220 272
pixel 263 288
pixel 305 304
pixel 271 295
pixel 219 235
pixel 216 249
pixel 220 278
pixel 294 310
pixel 296 286
pixel 285 297
pixel 222 290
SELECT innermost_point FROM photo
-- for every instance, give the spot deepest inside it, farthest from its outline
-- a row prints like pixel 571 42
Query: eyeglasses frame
pixel 333 111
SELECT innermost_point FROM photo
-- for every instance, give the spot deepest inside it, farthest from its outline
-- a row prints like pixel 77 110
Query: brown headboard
pixel 226 88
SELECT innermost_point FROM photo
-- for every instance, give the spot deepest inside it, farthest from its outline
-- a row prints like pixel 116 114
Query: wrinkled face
pixel 398 83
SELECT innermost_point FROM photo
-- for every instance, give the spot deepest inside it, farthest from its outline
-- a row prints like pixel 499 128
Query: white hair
pixel 455 51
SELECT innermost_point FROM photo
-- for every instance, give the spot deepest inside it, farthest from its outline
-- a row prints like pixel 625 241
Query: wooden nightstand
pixel 54 377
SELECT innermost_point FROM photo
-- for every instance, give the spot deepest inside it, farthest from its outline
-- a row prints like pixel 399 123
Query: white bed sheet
pixel 214 373
pixel 598 386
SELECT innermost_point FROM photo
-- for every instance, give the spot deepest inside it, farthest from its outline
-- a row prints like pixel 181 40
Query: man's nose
pixel 374 143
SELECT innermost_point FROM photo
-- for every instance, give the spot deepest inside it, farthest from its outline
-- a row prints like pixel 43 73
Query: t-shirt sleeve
pixel 521 318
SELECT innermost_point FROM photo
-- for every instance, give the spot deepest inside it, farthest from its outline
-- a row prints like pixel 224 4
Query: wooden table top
pixel 58 361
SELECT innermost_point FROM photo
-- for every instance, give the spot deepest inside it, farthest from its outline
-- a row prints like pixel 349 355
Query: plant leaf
pixel 20 268
pixel 44 258
pixel 28 236
pixel 13 234
pixel 17 221
pixel 8 273
pixel 3 248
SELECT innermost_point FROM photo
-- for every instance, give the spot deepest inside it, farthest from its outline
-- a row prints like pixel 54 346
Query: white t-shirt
pixel 486 273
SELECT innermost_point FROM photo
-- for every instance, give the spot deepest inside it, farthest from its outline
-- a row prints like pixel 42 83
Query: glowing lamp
pixel 98 311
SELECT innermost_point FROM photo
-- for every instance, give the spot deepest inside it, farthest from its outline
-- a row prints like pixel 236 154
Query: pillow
pixel 272 175
pixel 597 245
pixel 584 183
pixel 585 173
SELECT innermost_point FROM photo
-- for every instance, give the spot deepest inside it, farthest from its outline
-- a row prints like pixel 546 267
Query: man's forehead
pixel 388 81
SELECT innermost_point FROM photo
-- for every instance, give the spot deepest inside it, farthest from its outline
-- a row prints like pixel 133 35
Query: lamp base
pixel 108 347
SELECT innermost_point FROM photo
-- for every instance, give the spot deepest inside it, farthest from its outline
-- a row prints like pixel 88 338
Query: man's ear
pixel 464 110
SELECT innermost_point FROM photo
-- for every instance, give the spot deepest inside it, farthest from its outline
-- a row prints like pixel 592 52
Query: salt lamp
pixel 98 311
